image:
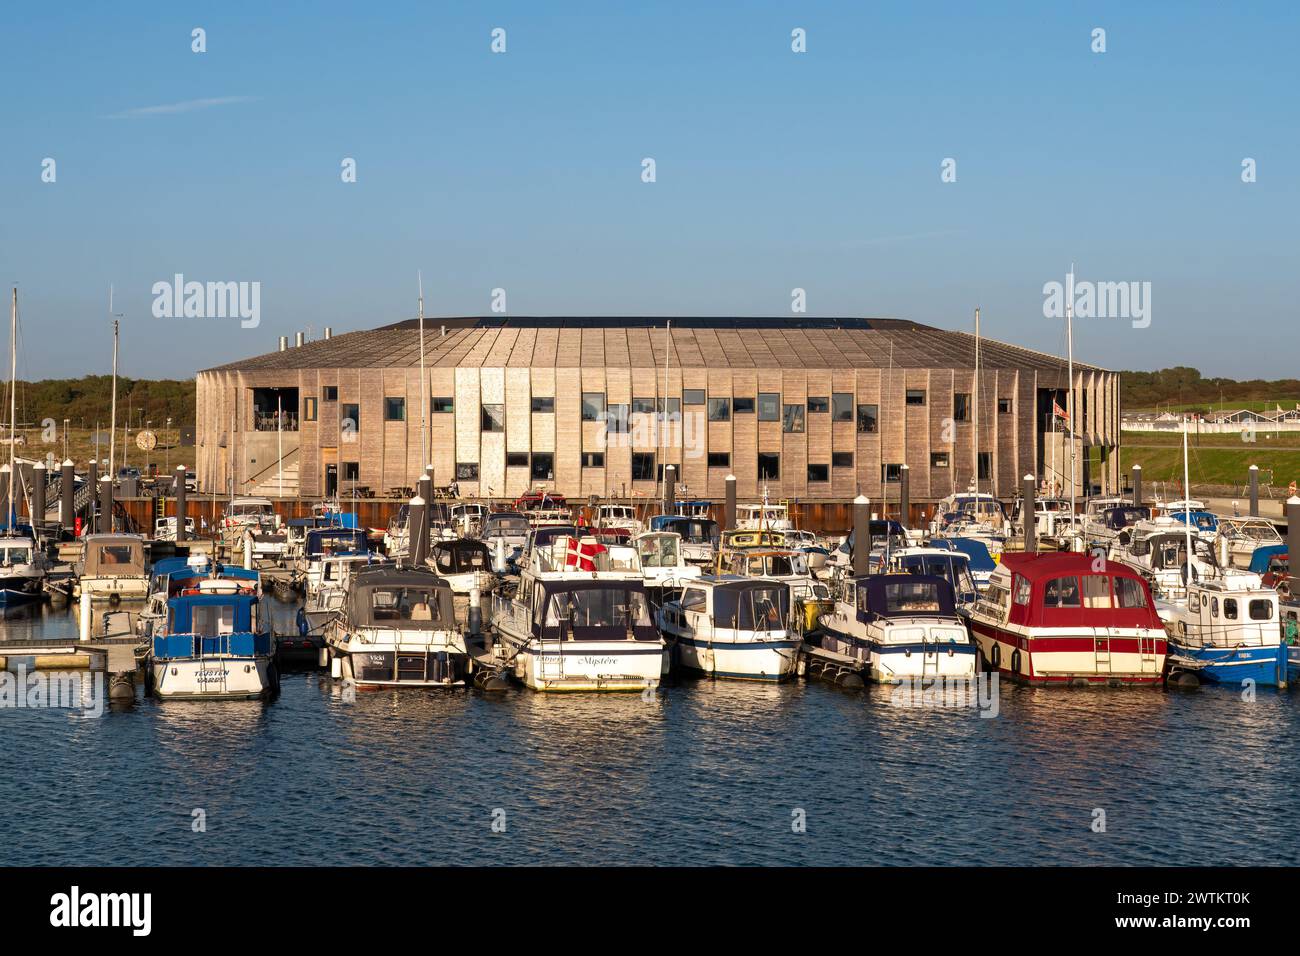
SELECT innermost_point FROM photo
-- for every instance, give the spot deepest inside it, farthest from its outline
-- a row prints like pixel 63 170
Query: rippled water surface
pixel 707 773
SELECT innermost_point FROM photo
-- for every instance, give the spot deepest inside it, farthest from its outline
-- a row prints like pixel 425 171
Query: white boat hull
pixel 766 660
pixel 603 666
pixel 213 678
pixel 110 588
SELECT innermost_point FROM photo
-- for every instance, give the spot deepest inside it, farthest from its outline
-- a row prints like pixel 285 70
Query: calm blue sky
pixel 775 170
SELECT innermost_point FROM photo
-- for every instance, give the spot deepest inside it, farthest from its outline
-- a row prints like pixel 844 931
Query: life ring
pixel 1015 661
pixel 995 656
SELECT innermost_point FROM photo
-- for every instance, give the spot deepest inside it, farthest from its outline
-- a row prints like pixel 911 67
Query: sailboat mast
pixel 112 425
pixel 975 411
pixel 1069 384
pixel 663 417
pixel 13 405
pixel 1187 507
pixel 424 385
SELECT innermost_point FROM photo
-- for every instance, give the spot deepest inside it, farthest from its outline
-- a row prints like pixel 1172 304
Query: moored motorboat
pixel 730 627
pixel 112 567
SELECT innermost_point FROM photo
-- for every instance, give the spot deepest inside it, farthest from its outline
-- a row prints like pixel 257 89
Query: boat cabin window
pixel 1261 610
pixel 757 608
pixel 1096 591
pixel 1129 593
pixel 212 619
pixel 658 552
pixel 911 596
pixel 1062 592
pixel 398 604
pixel 16 555
pixel 459 561
pixel 1023 589
pixel 598 607
pixel 116 554
pixel 1214 607
pixel 1230 608
pixel 694 600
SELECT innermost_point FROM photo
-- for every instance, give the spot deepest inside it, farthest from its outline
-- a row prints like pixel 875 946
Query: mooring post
pixel 861 535
pixel 1027 513
pixel 500 562
pixel 475 611
pixel 424 491
pixel 1293 539
pixel 38 496
pixel 417 535
pixel 67 491
pixel 1137 485
pixel 84 621
pixel 181 504
pixel 905 496
pixel 670 488
pixel 105 504
pixel 92 482
pixel 4 494
pixel 248 550
pixel 1254 491
pixel 729 509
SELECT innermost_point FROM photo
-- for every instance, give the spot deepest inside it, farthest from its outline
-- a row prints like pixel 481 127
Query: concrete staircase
pixel 270 486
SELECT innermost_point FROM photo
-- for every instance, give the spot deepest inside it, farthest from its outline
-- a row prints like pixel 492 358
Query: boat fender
pixel 1015 661
pixel 995 655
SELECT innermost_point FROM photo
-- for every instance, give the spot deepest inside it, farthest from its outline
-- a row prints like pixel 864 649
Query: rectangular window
pixel 441 405
pixel 961 406
pixel 841 459
pixel 517 459
pixel 309 409
pixel 616 419
pixel 891 472
pixel 643 466
pixel 330 393
pixel 1229 606
pixel 769 406
pixel 467 471
pixel 692 396
pixel 719 459
pixel 674 407
pixel 1129 593
pixel 593 406
pixel 543 466
pixel 719 409
pixel 818 404
pixel 985 465
pixel 842 407
pixel 351 471
pixel 394 409
pixel 1096 591
pixel 1061 592
pixel 544 404
pixel 1261 610
pixel 643 406
pixel 1004 406
pixel 868 418
pixel 493 418
pixel 742 406
pixel 593 459
pixel 792 418
pixel 769 466
pixel 916 396
pixel 819 472
pixel 938 459
pixel 351 418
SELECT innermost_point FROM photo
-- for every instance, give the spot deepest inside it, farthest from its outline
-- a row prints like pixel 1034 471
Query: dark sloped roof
pixel 641 342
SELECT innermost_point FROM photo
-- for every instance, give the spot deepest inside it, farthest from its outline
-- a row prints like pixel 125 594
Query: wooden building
pixel 815 409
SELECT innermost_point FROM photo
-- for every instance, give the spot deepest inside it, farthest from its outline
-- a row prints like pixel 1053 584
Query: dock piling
pixel 417 535
pixel 1254 491
pixel 37 516
pixel 105 504
pixel 729 509
pixel 67 491
pixel 1137 485
pixel 670 488
pixel 180 503
pixel 1293 537
pixel 861 535
pixel 904 495
pixel 83 632
pixel 1027 513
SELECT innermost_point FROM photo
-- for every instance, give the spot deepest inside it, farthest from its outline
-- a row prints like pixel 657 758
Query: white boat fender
pixel 1015 661
pixel 995 655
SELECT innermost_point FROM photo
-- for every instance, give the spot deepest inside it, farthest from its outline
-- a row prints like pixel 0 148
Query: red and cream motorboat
pixel 1069 618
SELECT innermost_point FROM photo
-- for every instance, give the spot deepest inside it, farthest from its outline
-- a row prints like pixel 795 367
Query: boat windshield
pixel 460 560
pixel 13 555
pixel 515 524
pixel 405 606
pixel 754 608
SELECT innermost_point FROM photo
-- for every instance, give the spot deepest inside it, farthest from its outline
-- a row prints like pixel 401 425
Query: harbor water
pixel 701 773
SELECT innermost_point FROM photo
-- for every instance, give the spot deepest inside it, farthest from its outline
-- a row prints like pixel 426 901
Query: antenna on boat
pixel 1187 513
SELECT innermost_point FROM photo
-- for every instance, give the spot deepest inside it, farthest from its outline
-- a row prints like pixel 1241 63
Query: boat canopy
pixel 1070 589
pixel 1261 559
pixel 1124 516
pixel 763 563
pixel 406 598
pixel 903 595
pixel 545 537
pixel 1200 520
pixel 593 610
pixel 114 554
pixel 330 519
pixel 322 541
pixel 974 549
pixel 505 522
pixel 659 549
pixel 211 614
pixel 460 556
pixel 751 604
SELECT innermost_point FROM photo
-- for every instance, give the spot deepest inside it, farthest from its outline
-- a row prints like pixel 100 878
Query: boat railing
pixel 237 644
pixel 1249 634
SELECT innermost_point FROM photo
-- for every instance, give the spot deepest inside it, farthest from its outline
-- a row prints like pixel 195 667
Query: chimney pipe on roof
pixel 284 343
pixel 299 338
pixel 329 332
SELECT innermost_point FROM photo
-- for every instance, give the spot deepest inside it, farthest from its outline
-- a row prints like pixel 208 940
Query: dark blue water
pixel 704 774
